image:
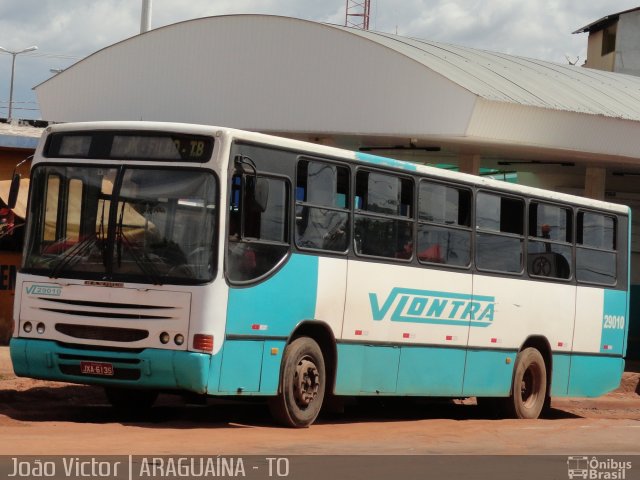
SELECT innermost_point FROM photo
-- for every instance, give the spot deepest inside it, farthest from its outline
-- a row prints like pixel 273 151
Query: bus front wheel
pixel 302 384
pixel 529 390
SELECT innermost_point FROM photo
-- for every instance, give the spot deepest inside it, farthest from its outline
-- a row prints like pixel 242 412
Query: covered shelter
pixel 307 79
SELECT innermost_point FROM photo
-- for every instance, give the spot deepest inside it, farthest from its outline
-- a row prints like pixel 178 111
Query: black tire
pixel 302 385
pixel 130 401
pixel 529 388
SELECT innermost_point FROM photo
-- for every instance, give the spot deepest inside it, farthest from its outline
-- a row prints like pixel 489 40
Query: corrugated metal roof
pixel 507 78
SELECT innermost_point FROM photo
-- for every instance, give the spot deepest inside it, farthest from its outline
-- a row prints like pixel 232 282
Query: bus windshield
pixel 146 225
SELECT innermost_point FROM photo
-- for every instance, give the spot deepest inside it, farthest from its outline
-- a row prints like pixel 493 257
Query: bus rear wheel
pixel 529 389
pixel 302 384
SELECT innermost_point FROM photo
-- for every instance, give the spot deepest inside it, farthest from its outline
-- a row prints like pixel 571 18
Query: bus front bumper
pixel 149 368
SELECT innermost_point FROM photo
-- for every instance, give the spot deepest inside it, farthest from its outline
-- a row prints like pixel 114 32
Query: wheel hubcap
pixel 307 382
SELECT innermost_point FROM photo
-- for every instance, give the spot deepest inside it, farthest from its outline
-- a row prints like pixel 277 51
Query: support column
pixel 594 182
pixel 469 164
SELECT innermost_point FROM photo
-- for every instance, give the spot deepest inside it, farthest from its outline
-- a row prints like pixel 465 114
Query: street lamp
pixel 13 69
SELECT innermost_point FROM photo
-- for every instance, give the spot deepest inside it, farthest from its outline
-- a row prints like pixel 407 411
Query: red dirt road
pixel 38 418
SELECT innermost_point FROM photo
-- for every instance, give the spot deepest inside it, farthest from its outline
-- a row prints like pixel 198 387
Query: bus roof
pixel 347 155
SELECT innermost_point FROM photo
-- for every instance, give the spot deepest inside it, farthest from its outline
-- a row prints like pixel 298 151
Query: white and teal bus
pixel 167 257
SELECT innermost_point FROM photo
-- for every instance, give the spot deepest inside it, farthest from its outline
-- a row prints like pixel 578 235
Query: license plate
pixel 96 368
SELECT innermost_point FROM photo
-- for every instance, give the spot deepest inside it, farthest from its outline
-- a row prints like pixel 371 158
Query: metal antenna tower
pixel 357 14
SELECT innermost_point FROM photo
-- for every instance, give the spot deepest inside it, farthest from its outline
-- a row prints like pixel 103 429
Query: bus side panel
pixel 249 367
pixel 275 306
pixel 262 317
pixel 241 366
pixel 522 309
pixel 366 369
pixel 488 373
pixel 615 322
pixel 350 368
pixel 399 370
pixel 560 374
pixel 601 322
pixel 594 375
pixel 381 369
pixel 422 312
pixel 431 371
pixel 271 360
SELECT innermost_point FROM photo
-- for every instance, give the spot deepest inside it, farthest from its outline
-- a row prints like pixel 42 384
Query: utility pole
pixel 145 17
pixel 14 54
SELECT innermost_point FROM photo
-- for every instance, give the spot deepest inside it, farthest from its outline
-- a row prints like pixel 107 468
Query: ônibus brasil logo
pixel 595 468
pixel 48 290
pixel 426 306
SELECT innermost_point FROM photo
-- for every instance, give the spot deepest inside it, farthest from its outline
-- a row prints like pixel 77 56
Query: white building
pixel 614 42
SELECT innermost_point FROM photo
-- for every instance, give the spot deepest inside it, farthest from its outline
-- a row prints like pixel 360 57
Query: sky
pixel 65 31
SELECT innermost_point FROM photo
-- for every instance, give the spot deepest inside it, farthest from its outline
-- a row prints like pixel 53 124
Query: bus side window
pixel 550 238
pixel 384 218
pixel 258 234
pixel 596 255
pixel 322 217
pixel 444 225
pixel 500 233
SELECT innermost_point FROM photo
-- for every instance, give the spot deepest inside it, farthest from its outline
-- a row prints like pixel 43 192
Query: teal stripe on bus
pixel 385 162
pixel 594 375
pixel 279 303
pixel 489 373
pixel 561 364
pixel 422 371
pixel 615 322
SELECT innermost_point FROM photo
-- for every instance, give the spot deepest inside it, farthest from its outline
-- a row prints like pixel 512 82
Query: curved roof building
pixel 361 88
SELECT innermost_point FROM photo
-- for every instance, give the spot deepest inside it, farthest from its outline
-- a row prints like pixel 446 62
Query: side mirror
pixel 13 191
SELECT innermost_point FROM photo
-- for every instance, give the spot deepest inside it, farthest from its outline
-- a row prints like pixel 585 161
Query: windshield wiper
pixel 74 253
pixel 145 263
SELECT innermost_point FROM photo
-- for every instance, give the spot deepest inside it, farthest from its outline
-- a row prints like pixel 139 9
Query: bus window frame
pixel 251 240
pixel 119 165
pixel 571 243
pixel 459 186
pixel 615 251
pixel 357 211
pixel 349 209
pixel 478 230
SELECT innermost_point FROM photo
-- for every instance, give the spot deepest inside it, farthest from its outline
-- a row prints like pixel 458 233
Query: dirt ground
pixel 40 417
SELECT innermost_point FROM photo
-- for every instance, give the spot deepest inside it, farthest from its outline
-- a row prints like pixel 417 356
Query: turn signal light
pixel 203 342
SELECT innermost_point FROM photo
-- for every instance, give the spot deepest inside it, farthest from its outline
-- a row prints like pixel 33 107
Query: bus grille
pixel 110 334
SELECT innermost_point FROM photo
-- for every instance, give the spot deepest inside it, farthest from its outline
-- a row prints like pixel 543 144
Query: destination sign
pixel 130 145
